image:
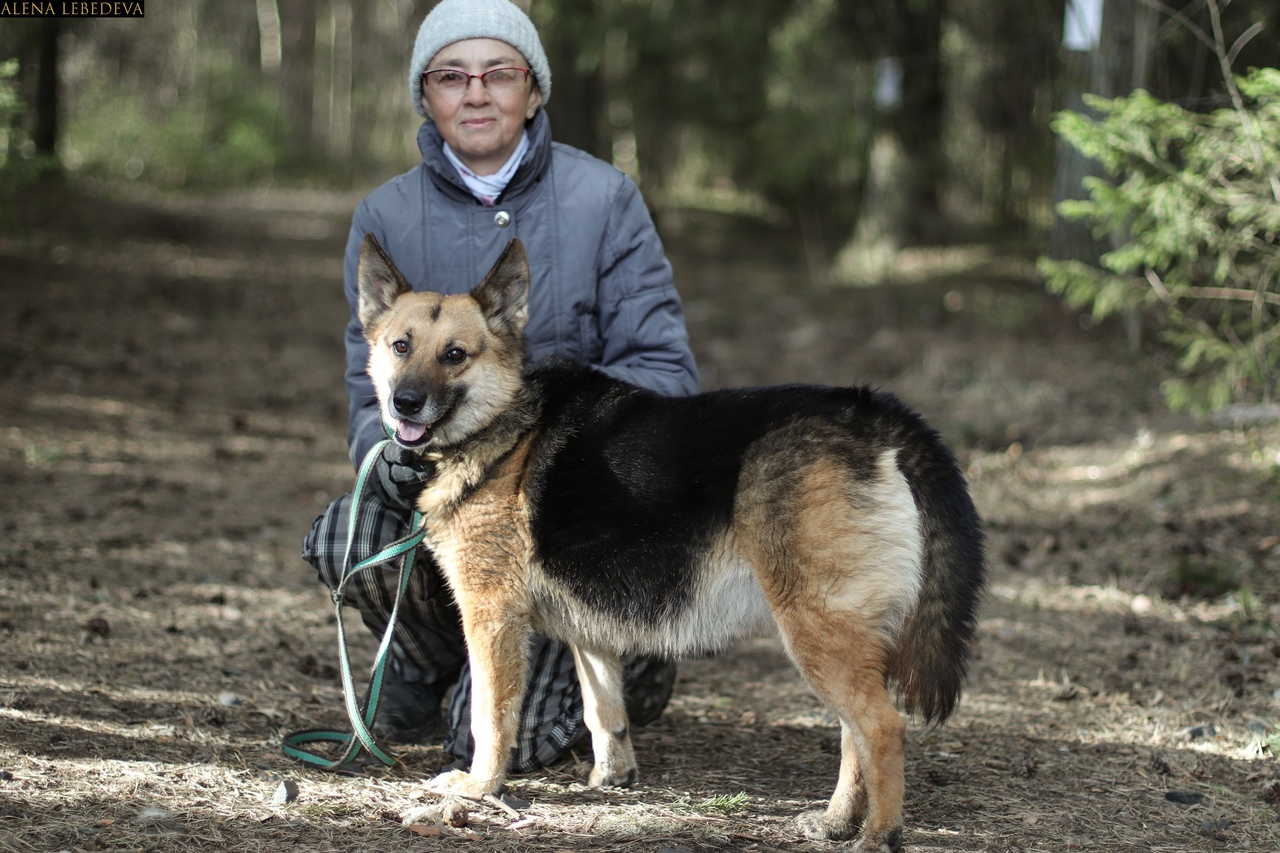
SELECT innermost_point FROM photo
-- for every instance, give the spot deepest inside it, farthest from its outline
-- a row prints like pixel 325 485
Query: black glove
pixel 399 475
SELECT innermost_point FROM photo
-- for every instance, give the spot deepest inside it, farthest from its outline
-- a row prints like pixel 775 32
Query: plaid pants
pixel 428 645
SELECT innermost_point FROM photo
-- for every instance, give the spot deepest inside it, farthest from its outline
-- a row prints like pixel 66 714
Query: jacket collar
pixel 532 168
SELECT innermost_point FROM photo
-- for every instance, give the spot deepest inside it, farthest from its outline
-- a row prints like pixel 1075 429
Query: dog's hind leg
pixel 849 676
pixel 600 675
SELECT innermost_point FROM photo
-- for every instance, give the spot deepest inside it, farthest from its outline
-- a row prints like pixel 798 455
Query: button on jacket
pixel 601 289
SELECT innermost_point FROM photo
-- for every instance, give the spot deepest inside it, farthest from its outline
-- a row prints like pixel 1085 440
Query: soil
pixel 172 419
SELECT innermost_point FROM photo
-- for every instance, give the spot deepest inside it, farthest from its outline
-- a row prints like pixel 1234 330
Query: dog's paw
pixel 462 784
pixel 820 826
pixel 889 841
pixel 613 777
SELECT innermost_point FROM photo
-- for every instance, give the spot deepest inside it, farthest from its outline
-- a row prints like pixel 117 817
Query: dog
pixel 575 505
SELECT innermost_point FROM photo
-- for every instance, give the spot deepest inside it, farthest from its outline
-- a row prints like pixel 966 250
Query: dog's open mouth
pixel 412 433
pixel 415 430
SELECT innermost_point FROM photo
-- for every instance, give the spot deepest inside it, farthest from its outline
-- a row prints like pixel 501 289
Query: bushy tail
pixel 932 652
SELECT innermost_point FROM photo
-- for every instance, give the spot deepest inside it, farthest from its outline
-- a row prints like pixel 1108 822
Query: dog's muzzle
pixel 413 417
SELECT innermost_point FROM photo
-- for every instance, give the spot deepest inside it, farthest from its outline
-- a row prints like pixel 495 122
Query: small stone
pixel 455 814
pixel 6 776
pixel 1212 825
pixel 287 792
pixel 1184 798
pixel 1198 732
pixel 1141 605
pixel 1258 727
pixel 229 699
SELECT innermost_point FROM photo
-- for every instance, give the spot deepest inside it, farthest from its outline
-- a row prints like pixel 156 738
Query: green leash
pixel 360 722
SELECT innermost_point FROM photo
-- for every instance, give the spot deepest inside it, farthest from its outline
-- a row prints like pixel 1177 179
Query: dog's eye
pixel 400 347
pixel 455 355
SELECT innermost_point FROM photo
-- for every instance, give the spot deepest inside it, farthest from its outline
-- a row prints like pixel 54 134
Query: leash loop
pixel 361 713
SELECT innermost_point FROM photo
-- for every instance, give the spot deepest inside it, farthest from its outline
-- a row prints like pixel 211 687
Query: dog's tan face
pixel 443 366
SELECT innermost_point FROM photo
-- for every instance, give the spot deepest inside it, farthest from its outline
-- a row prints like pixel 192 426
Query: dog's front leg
pixel 600 674
pixel 498 650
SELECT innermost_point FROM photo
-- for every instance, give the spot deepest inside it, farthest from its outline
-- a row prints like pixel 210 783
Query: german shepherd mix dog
pixel 578 506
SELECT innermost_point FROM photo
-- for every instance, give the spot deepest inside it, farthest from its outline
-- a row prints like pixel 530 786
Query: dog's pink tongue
pixel 410 431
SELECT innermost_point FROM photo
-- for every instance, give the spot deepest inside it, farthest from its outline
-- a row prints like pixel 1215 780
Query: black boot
pixel 408 711
pixel 646 686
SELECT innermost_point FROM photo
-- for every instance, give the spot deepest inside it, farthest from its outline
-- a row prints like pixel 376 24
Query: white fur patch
pixel 727 604
pixel 885 547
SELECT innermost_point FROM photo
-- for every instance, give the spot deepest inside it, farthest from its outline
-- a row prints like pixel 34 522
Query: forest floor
pixel 172 419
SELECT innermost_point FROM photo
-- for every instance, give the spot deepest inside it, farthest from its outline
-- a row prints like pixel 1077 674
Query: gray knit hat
pixel 455 20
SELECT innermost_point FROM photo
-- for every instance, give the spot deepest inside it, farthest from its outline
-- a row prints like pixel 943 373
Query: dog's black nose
pixel 408 402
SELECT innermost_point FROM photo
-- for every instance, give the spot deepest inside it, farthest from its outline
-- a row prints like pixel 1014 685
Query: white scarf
pixel 487 188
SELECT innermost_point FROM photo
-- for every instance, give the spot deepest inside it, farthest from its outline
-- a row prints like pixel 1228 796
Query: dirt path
pixel 172 418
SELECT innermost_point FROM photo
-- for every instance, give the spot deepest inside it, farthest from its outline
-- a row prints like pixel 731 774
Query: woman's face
pixel 481 123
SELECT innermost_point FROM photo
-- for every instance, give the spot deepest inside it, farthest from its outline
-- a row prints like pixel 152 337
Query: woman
pixel 601 293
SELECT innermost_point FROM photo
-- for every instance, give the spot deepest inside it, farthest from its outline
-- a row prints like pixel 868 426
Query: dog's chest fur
pixel 477 522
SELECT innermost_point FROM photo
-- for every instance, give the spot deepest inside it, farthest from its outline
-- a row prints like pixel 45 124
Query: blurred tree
pixel 1149 45
pixel 1186 218
pixel 1109 58
pixel 810 142
pixel 296 79
pixel 48 100
pixel 1119 47
pixel 1000 63
pixel 864 123
pixel 31 104
pixel 1192 201
pixel 573 43
pixel 900 190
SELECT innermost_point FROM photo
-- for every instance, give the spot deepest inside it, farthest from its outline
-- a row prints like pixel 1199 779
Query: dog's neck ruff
pixel 463 467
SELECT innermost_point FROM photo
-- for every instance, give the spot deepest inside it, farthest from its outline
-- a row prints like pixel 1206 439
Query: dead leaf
pixel 425 830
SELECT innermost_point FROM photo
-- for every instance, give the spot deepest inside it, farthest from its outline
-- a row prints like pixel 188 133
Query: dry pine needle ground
pixel 171 419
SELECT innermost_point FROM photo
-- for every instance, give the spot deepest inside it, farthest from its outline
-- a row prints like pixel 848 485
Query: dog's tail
pixel 933 648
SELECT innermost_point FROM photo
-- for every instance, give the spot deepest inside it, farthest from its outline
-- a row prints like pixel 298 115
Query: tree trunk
pixel 1115 67
pixel 269 47
pixel 340 131
pixel 575 110
pixel 48 101
pixel 297 64
pixel 1070 240
pixel 881 227
pixel 900 196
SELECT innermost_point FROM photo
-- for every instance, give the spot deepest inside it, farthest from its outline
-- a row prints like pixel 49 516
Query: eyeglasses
pixel 452 82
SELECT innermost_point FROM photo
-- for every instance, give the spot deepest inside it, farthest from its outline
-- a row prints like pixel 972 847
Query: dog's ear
pixel 380 282
pixel 504 293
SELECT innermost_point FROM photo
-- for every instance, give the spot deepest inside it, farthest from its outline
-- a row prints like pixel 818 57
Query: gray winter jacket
pixel 601 290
